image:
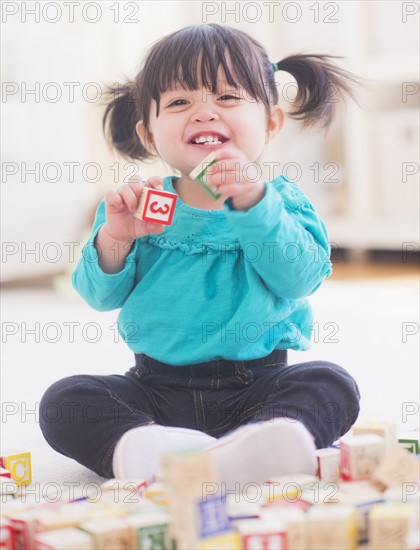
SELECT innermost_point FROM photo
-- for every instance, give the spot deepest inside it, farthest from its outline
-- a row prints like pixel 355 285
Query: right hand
pixel 122 204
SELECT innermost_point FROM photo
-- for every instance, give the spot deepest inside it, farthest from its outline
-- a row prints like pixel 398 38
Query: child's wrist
pixel 109 235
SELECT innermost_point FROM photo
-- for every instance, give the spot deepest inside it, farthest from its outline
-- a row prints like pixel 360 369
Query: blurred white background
pixel 363 177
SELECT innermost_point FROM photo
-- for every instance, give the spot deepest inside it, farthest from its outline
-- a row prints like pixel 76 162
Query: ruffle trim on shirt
pixel 193 247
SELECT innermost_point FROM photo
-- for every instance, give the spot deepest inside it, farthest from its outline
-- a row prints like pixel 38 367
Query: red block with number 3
pixel 156 206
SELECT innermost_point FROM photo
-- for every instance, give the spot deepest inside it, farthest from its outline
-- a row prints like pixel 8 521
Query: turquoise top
pixel 216 284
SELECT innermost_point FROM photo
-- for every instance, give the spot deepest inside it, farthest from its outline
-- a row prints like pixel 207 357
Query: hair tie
pixel 275 67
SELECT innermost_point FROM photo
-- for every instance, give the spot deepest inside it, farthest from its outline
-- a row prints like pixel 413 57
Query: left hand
pixel 236 177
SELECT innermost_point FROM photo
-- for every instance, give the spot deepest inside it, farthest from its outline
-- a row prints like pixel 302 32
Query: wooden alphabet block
pixel 387 430
pixel 109 533
pixel 396 468
pixel 389 525
pixel 23 525
pixel 261 533
pixel 156 492
pixel 287 488
pixel 200 171
pixel 19 466
pixel 70 515
pixel 321 492
pixel 212 517
pixel 149 530
pixel 194 514
pixel 240 507
pixel 329 464
pixel 6 535
pixel 332 527
pixel 291 522
pixel 156 206
pixel 132 485
pixel 360 455
pixel 227 541
pixel 64 539
pixel 8 486
pixel 410 441
pixel 362 496
pixel 123 493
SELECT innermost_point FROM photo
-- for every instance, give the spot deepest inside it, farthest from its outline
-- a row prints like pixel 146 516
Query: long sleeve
pixel 216 284
pixel 285 240
pixel 101 290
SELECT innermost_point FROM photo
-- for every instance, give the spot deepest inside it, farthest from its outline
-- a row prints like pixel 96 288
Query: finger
pixel 227 166
pixel 229 152
pixel 225 178
pixel 155 228
pixel 136 184
pixel 113 198
pixel 129 197
pixel 156 182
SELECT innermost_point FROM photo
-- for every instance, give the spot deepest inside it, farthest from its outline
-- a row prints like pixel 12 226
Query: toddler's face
pixel 193 123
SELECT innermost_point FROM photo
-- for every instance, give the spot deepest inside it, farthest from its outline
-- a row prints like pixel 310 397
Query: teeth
pixel 207 139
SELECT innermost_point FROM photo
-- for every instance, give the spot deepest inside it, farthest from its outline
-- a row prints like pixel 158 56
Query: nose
pixel 204 113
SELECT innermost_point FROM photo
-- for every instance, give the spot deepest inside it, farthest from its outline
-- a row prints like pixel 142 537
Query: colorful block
pixel 387 430
pixel 321 492
pixel 329 464
pixel 156 206
pixel 64 539
pixel 291 522
pixel 213 518
pixel 287 488
pixel 360 455
pixel 4 473
pixel 23 525
pixel 19 466
pixel 186 474
pixel 362 496
pixel 157 493
pixel 8 486
pixel 63 516
pixel 332 527
pixel 396 468
pixel 410 441
pixel 227 541
pixel 6 535
pixel 149 530
pixel 261 533
pixel 200 171
pixel 123 492
pixel 389 525
pixel 108 533
pixel 240 507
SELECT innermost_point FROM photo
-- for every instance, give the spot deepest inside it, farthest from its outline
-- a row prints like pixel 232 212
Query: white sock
pixel 262 450
pixel 138 453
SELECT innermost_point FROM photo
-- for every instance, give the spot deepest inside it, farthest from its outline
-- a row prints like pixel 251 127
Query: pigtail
pixel 319 82
pixel 120 119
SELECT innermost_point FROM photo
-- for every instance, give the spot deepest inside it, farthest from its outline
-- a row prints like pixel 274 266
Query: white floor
pixel 359 325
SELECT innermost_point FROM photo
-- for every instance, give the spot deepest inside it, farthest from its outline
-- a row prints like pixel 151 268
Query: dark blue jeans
pixel 83 417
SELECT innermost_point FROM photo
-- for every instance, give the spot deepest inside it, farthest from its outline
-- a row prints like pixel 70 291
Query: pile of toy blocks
pixel 365 495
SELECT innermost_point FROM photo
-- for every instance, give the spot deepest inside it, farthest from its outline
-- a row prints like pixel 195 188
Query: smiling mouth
pixel 208 139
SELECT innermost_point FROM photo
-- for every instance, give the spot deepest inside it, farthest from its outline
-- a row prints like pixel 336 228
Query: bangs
pixel 195 57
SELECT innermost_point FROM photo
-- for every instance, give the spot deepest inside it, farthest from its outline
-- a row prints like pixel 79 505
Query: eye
pixel 228 97
pixel 178 103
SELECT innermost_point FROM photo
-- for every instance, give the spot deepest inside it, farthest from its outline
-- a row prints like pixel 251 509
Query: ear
pixel 146 140
pixel 274 123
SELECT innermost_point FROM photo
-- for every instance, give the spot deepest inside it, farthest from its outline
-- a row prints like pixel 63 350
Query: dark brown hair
pixel 192 57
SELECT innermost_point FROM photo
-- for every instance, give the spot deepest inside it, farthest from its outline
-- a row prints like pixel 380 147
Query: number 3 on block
pixel 156 206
